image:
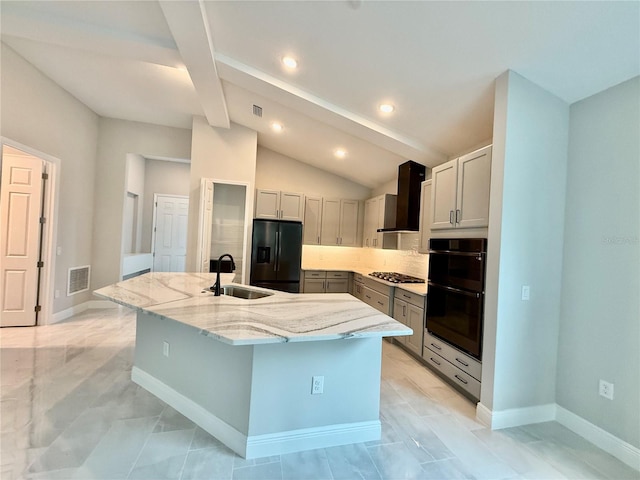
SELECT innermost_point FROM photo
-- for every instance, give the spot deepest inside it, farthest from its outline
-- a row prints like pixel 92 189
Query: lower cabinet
pixel 461 369
pixel 408 308
pixel 320 281
pixel 373 293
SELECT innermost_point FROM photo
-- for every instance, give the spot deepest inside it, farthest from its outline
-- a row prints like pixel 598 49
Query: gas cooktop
pixel 394 277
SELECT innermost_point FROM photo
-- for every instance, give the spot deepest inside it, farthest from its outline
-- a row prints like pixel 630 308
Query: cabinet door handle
pixel 318 240
pixel 461 379
pixel 367 242
pixel 451 217
pixel 437 347
pixel 461 362
pixel 458 212
pixel 435 361
pixel 404 310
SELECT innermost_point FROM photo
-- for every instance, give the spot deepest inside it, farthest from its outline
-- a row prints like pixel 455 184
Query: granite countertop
pixel 278 318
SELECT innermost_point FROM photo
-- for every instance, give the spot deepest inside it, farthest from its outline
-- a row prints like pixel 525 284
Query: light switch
pixel 526 292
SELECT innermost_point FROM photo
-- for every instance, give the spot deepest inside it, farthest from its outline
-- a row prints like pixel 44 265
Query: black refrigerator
pixel 276 253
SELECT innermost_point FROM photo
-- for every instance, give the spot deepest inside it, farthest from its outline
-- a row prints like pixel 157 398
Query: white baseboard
pixel 620 449
pixel 515 417
pixel 312 438
pixel 611 444
pixel 257 446
pixel 82 307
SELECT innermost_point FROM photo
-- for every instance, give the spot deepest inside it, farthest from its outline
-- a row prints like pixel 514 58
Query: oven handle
pixel 456 290
pixel 455 252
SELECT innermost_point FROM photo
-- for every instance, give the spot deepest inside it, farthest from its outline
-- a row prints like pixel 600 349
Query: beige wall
pixel 169 178
pixel 39 114
pixel 117 138
pixel 275 171
pixel 219 154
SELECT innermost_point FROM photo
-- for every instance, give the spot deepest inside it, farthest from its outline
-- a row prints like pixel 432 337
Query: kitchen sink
pixel 245 293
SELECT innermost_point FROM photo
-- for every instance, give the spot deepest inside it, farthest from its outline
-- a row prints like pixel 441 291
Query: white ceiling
pixel 164 61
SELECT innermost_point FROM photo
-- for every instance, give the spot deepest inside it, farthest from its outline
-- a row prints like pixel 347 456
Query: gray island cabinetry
pixel 244 369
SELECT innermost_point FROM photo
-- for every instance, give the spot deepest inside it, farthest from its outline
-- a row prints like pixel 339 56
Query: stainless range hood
pixel 410 177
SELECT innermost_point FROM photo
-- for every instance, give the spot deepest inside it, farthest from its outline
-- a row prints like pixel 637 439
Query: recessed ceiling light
pixel 289 62
pixel 340 153
pixel 386 108
pixel 276 127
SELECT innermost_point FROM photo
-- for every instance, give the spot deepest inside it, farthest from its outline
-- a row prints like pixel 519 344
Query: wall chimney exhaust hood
pixel 410 176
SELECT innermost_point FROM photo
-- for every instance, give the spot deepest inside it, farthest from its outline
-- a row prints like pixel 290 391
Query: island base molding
pixel 258 446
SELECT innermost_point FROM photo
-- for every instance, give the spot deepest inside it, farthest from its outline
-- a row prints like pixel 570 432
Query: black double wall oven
pixel 455 302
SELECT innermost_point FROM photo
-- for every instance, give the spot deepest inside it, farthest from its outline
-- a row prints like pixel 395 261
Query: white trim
pixel 515 417
pixel 224 432
pixel 50 231
pixel 257 446
pixel 82 307
pixel 312 438
pixel 617 447
pixel 611 444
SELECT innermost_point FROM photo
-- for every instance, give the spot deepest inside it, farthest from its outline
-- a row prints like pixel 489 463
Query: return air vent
pixel 257 111
pixel 78 280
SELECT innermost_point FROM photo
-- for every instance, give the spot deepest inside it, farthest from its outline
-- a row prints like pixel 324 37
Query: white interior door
pixel 170 243
pixel 20 205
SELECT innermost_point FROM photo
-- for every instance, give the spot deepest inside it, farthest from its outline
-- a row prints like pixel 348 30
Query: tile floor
pixel 70 411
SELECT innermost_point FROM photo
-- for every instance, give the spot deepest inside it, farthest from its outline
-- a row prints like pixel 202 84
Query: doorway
pixel 27 193
pixel 169 233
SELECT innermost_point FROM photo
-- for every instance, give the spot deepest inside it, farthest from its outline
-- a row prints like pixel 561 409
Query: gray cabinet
pixel 425 216
pixel 379 212
pixel 408 308
pixel 339 222
pixel 320 281
pixel 461 369
pixel 277 205
pixel 460 192
pixel 312 220
pixel 373 293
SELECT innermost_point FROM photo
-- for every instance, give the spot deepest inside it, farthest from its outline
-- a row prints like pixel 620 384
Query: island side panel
pixel 286 416
pixel 212 374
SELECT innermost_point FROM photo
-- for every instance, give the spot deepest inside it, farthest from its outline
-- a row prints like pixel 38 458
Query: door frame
pixel 50 230
pixel 204 224
pixel 153 222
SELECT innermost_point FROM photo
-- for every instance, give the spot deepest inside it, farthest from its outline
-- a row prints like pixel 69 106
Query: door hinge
pixel 40 264
pixel 45 176
pixel 43 220
pixel 38 308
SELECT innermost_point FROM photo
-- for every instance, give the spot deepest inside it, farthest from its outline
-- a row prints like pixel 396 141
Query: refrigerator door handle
pixel 279 249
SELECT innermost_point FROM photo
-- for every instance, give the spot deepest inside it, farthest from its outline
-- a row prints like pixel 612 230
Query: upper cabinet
pixel 312 220
pixel 339 222
pixel 460 192
pixel 425 216
pixel 277 205
pixel 379 212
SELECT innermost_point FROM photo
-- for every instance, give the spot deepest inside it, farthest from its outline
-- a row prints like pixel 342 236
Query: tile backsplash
pixel 407 260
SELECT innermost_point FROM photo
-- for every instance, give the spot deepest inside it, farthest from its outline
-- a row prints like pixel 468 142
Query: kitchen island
pixel 266 376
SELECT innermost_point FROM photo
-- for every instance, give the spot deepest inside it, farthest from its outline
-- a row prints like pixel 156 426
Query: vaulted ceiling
pixel 164 61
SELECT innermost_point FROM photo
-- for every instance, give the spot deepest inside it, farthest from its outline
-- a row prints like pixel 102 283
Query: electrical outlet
pixel 526 292
pixel 606 389
pixel 56 294
pixel 317 385
pixel 165 349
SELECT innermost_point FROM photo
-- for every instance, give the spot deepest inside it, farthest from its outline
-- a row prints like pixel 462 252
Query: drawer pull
pixel 368 296
pixel 435 361
pixel 436 346
pixel 406 296
pixel 461 362
pixel 462 380
pixel 380 303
